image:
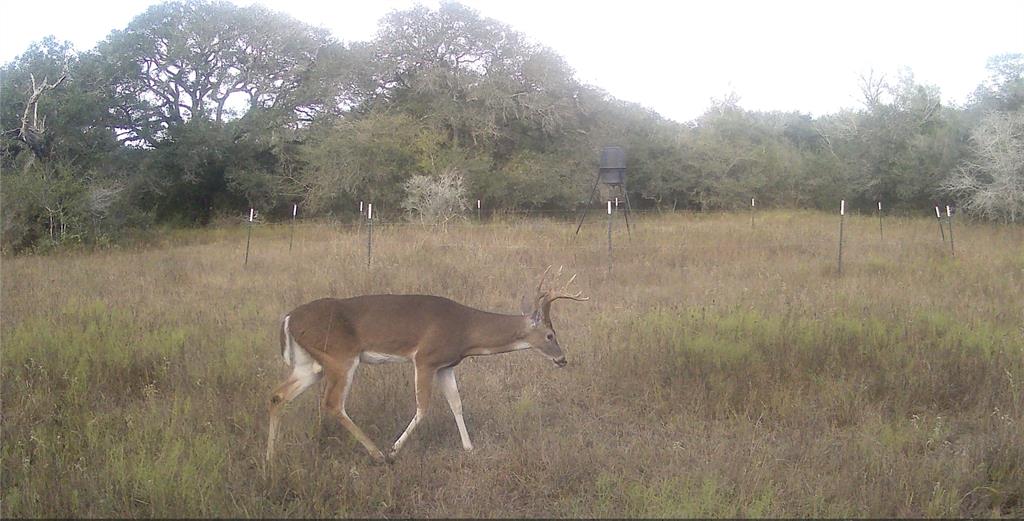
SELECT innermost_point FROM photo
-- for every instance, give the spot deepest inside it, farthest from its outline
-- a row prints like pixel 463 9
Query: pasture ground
pixel 718 370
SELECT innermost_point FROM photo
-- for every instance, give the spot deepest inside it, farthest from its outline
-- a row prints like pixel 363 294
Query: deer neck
pixel 495 333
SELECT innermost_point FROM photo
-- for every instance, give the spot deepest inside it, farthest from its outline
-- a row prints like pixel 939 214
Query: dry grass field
pixel 718 370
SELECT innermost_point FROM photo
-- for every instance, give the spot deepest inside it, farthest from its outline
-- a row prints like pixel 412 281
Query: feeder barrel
pixel 612 168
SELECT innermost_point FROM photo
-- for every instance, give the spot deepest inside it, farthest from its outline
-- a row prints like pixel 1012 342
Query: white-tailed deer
pixel 328 338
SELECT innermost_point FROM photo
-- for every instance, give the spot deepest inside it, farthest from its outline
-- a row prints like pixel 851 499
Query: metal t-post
pixel 629 209
pixel 949 220
pixel 842 217
pixel 291 234
pixel 880 236
pixel 609 236
pixel 248 238
pixel 369 233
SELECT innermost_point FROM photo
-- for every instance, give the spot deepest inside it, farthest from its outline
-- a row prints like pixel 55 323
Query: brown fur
pixel 433 332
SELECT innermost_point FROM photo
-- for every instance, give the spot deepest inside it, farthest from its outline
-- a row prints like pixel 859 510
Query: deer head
pixel 541 335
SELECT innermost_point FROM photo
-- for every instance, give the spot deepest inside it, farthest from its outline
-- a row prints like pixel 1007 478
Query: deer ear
pixel 526 306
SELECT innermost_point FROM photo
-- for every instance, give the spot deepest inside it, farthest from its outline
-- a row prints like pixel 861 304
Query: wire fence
pixel 474 217
pixel 768 235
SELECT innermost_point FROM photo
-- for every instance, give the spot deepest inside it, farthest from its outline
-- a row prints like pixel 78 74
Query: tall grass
pixel 718 370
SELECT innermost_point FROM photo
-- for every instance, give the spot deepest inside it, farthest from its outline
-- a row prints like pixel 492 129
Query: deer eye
pixel 551 336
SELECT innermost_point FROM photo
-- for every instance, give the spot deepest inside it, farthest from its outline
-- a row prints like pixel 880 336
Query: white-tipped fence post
pixel 359 221
pixel 291 234
pixel 949 220
pixel 478 219
pixel 842 217
pixel 248 237
pixel 938 219
pixel 369 233
pixel 609 236
pixel 880 236
pixel 751 212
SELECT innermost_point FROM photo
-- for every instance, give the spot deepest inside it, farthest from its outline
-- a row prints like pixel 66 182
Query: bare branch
pixel 32 130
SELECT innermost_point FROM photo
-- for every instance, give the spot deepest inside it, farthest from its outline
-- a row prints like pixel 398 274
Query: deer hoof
pixel 391 456
pixel 378 457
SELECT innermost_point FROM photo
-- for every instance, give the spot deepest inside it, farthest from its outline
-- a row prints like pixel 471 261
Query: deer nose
pixel 560 362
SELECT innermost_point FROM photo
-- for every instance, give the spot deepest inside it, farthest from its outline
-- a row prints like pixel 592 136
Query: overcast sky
pixel 671 56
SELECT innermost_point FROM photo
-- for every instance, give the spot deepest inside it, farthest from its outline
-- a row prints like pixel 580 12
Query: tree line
pixel 199 109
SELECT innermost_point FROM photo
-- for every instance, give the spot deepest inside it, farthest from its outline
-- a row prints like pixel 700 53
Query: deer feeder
pixel 612 168
pixel 611 172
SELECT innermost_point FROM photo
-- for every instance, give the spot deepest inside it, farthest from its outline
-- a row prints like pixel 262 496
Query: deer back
pixel 399 325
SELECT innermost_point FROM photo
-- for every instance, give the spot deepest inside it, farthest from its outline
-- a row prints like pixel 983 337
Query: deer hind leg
pixel 446 377
pixel 338 384
pixel 304 374
pixel 424 382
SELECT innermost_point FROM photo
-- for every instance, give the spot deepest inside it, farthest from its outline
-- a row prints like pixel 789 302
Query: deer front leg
pixel 446 377
pixel 424 380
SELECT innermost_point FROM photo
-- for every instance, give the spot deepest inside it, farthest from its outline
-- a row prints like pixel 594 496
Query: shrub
pixel 436 199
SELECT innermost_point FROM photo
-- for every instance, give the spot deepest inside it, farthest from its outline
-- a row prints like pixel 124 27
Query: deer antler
pixel 552 294
pixel 540 286
pixel 545 298
pixel 563 293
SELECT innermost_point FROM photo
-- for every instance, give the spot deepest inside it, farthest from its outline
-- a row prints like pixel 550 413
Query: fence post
pixel 609 236
pixel 842 217
pixel 880 236
pixel 369 233
pixel 751 212
pixel 949 220
pixel 291 234
pixel 938 219
pixel 248 237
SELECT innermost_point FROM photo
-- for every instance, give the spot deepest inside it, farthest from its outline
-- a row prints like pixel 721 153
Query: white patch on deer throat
pixel 371 357
pixel 508 348
pixel 519 346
